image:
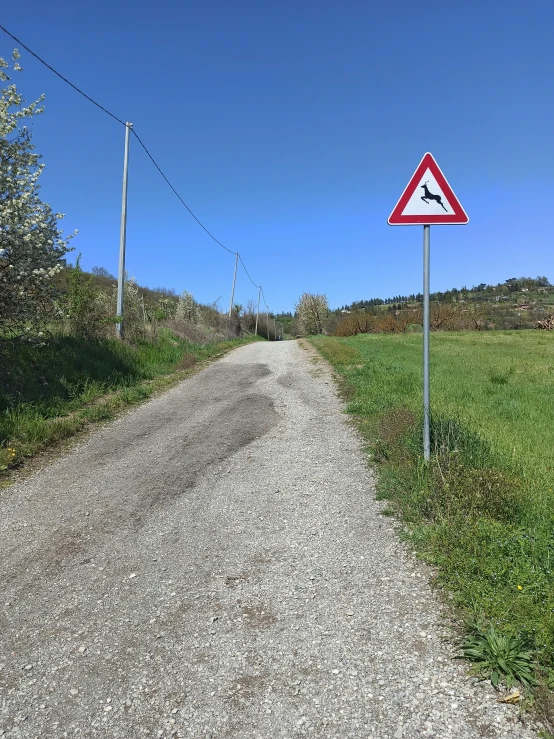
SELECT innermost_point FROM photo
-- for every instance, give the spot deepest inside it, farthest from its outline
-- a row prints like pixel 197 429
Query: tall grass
pixel 483 510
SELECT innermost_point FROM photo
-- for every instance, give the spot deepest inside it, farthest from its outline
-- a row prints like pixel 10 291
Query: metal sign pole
pixel 426 249
pixel 439 205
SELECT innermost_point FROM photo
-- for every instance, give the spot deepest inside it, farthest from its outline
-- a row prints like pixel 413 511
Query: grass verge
pixel 51 390
pixel 482 511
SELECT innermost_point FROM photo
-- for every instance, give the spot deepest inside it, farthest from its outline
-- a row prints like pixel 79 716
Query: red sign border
pixel 458 218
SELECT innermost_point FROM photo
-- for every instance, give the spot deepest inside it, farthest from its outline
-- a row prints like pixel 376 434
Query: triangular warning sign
pixel 428 199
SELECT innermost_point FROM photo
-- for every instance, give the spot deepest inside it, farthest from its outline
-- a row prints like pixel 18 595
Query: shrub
pixel 87 310
pixel 187 309
pixel 355 323
pixel 193 332
pixel 456 490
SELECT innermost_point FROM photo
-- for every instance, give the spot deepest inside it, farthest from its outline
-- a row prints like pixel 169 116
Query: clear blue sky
pixel 291 129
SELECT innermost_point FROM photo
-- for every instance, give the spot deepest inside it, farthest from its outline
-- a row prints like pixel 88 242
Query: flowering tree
pixel 31 245
pixel 187 309
pixel 312 311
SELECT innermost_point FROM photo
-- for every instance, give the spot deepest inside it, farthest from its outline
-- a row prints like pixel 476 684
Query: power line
pixel 244 267
pixel 263 298
pixel 177 194
pixel 61 76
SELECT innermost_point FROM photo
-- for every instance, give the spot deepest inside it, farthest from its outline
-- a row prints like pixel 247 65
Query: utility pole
pixel 258 310
pixel 234 280
pixel 267 321
pixel 274 328
pixel 123 235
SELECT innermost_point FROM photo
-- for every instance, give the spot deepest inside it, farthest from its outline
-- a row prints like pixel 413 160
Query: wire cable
pixel 61 76
pixel 263 298
pixel 177 194
pixel 247 274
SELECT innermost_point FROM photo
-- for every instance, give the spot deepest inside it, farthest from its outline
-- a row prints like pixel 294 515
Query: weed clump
pixel 499 658
pixel 499 377
pixel 456 490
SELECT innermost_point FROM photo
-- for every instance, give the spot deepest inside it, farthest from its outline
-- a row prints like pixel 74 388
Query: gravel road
pixel 214 564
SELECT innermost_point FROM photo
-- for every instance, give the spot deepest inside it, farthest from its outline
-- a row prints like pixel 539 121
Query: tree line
pixel 477 292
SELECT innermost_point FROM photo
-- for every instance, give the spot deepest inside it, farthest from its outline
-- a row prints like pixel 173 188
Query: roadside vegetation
pixel 51 389
pixel 482 511
pixel 58 375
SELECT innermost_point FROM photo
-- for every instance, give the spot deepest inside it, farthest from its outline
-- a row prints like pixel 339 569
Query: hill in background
pixel 518 302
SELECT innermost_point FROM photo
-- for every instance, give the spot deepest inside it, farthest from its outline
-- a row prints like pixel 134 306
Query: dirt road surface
pixel 214 564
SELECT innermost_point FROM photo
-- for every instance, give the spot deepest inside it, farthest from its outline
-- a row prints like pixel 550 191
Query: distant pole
pixel 274 328
pixel 123 235
pixel 258 310
pixel 267 322
pixel 426 435
pixel 234 280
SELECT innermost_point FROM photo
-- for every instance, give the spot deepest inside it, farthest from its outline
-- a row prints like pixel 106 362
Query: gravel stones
pixel 214 564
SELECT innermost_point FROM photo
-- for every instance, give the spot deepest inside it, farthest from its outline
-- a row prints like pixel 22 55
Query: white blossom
pixel 31 245
pixel 312 311
pixel 187 308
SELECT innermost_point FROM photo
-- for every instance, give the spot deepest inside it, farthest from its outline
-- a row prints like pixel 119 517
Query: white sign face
pixel 428 198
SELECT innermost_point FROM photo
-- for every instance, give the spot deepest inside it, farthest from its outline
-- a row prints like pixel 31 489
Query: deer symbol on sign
pixel 429 196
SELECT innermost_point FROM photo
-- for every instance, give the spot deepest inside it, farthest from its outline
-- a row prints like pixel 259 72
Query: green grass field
pixel 483 510
pixel 50 390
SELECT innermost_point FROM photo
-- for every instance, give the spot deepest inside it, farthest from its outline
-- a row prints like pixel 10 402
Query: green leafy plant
pixel 499 657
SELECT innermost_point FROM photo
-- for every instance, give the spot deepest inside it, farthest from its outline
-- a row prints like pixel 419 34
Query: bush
pixel 351 324
pixel 193 332
pixel 87 310
pixel 187 308
pixel 456 490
